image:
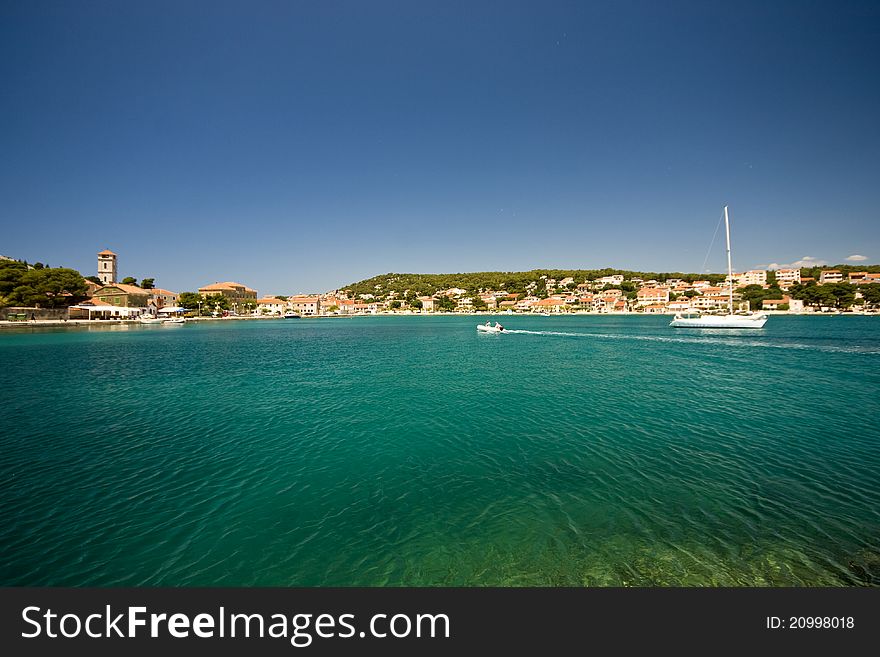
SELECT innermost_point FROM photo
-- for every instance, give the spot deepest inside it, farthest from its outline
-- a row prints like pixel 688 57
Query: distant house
pixel 648 296
pixel 655 308
pixel 773 304
pixel 428 304
pixel 830 276
pixel 549 305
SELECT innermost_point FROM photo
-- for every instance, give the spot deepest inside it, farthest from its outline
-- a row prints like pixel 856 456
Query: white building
pixel 107 267
pixel 752 277
pixel 785 278
pixel 271 305
pixel 830 276
pixel 305 305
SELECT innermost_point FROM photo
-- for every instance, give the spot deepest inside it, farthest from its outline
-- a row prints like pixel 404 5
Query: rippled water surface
pixel 414 451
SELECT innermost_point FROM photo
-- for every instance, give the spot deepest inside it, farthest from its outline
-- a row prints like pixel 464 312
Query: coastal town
pixel 106 296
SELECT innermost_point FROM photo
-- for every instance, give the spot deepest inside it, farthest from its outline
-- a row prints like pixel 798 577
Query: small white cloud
pixel 856 258
pixel 809 261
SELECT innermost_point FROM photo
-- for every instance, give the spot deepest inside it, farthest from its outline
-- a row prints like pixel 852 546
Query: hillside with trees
pixel 39 285
pixel 512 282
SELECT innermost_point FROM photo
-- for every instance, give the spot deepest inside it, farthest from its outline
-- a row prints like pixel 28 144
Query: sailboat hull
pixel 720 321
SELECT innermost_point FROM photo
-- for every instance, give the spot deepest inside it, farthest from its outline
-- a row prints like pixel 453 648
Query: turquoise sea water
pixel 413 451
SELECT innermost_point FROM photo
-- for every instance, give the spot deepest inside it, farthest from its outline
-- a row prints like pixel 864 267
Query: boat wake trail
pixel 730 341
pixel 562 333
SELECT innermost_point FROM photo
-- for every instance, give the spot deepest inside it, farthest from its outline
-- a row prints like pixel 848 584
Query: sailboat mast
pixel 729 264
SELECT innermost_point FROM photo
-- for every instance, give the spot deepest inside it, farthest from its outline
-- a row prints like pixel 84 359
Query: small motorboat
pixel 174 321
pixel 147 319
pixel 291 315
pixel 488 328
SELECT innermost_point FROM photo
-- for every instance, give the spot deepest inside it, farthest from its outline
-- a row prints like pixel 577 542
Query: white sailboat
pixel 698 319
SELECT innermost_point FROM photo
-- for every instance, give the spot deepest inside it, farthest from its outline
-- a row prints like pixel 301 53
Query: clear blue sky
pixel 299 146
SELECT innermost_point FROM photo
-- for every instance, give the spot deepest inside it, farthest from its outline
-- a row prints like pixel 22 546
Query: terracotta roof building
pixel 231 290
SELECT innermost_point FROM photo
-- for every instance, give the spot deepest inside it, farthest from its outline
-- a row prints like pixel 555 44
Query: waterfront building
pixel 120 294
pixel 271 305
pixel 95 309
pixel 107 267
pixel 235 292
pixel 679 305
pixel 161 298
pixel 346 306
pixel 305 304
pixel 428 304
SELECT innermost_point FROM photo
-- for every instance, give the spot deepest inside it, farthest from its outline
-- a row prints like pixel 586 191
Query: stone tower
pixel 107 267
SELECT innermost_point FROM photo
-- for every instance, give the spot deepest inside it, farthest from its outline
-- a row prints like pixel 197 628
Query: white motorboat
pixel 174 321
pixel 697 319
pixel 488 328
pixel 147 319
pixel 291 315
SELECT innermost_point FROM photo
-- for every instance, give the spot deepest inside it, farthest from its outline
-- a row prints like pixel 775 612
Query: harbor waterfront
pixel 601 450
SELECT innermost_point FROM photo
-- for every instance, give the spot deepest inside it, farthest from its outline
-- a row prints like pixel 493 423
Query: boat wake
pixel 714 340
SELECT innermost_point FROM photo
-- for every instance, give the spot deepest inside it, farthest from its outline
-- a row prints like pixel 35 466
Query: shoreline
pixel 52 323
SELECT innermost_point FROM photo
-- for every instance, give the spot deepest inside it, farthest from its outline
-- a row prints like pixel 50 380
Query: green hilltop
pixel 515 282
